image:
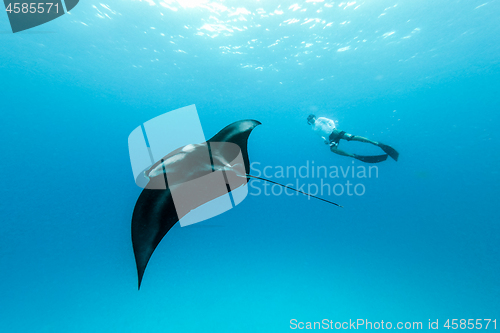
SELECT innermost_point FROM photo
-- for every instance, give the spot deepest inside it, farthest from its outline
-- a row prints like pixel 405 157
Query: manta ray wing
pixel 237 133
pixel 154 215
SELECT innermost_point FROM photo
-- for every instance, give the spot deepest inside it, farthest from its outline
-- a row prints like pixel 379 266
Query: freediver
pixel 326 129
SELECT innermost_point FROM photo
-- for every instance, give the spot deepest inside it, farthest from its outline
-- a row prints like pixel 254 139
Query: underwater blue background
pixel 421 243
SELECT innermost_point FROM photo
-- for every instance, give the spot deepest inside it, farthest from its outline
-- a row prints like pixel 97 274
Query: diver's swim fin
pixel 389 151
pixel 371 159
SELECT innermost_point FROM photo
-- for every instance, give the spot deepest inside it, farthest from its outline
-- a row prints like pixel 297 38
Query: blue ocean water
pixel 421 243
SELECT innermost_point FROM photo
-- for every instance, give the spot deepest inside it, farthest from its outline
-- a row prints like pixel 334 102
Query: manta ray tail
pixel 291 188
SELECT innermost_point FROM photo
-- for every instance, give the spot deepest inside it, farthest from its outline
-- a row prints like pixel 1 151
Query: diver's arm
pixel 325 140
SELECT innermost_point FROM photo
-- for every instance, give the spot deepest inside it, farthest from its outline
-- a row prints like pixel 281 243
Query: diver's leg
pixel 350 137
pixel 336 150
pixel 366 159
pixel 387 149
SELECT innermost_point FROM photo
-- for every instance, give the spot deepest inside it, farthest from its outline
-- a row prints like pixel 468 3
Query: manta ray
pixel 174 187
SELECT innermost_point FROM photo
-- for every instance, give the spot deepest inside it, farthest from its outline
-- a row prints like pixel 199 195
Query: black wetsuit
pixel 335 137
